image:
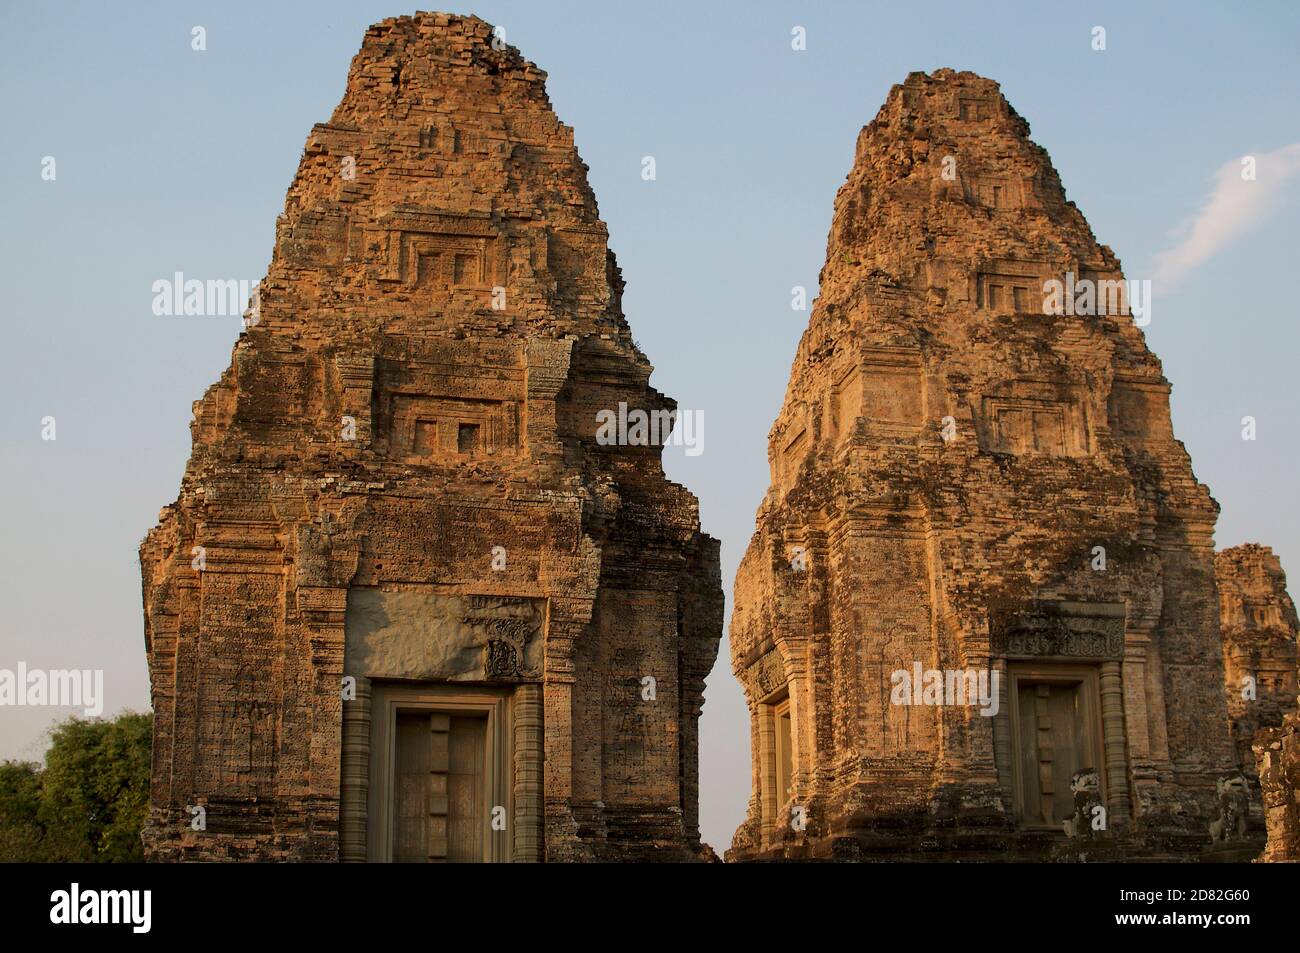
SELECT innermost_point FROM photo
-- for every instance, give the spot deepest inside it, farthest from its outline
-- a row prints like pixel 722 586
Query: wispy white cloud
pixel 1234 207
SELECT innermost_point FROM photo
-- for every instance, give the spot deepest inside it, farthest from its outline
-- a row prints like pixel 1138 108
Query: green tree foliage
pixel 20 802
pixel 88 803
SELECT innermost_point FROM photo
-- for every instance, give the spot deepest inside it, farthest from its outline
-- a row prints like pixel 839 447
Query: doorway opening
pixel 1056 732
pixel 440 769
pixel 439 787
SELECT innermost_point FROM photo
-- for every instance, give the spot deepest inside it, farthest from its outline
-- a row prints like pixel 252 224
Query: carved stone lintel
pixel 1040 633
pixel 766 675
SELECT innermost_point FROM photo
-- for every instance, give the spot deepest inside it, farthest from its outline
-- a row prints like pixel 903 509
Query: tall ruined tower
pixel 1259 625
pixel 407 607
pixel 979 605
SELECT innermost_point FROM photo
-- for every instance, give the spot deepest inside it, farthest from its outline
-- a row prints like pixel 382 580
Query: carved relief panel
pixel 447 410
pixel 1009 294
pixel 1034 417
pixel 445 428
pixel 993 192
pixel 1012 287
pixel 437 252
pixel 444 261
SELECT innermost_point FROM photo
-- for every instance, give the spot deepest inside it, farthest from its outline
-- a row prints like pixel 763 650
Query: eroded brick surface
pixel 398 478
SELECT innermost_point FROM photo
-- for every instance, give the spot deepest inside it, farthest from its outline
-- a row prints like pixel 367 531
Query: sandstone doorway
pixel 440 769
pixel 1056 732
pixel 776 762
pixel 439 778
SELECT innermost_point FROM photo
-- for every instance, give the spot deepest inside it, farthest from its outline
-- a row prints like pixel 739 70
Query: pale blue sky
pixel 174 160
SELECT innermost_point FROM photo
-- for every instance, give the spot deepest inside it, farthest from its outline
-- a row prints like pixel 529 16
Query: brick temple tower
pixel 979 607
pixel 407 605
